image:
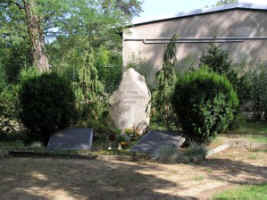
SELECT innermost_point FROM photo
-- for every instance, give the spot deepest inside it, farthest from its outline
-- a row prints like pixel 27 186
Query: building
pixel 239 28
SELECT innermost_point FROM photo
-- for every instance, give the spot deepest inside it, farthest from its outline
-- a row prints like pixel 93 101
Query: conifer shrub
pixel 219 61
pixel 47 104
pixel 204 102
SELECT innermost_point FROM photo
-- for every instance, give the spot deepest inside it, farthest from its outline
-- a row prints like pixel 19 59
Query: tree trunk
pixel 40 60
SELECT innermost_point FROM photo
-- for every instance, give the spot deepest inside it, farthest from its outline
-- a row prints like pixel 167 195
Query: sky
pixel 157 9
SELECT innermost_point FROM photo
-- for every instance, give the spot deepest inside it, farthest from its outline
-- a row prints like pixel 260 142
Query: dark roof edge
pixel 196 14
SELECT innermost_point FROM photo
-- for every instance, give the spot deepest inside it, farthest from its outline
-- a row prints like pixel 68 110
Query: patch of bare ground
pixel 111 178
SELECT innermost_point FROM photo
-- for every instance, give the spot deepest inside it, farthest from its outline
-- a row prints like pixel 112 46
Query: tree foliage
pixel 166 79
pixel 218 60
pixel 130 8
pixel 77 39
pixel 36 20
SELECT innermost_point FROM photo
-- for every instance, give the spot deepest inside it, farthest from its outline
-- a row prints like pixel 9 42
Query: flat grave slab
pixel 153 140
pixel 71 139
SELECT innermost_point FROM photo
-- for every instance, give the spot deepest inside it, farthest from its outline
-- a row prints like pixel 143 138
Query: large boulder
pixel 130 104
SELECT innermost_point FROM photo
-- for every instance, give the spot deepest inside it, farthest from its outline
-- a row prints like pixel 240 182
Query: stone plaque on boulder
pixel 130 104
pixel 72 139
pixel 153 140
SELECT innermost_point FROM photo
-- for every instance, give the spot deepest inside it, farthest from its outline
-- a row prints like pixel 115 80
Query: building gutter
pixel 199 40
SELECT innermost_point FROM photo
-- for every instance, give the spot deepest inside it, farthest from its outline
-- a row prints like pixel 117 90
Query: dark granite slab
pixel 151 141
pixel 72 139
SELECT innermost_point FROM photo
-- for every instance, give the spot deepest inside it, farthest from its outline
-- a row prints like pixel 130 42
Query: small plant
pixel 205 103
pixel 3 154
pixel 170 154
pixel 167 154
pixel 132 134
pixel 195 153
pixel 47 105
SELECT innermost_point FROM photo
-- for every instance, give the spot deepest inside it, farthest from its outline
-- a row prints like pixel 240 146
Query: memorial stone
pixel 130 104
pixel 71 139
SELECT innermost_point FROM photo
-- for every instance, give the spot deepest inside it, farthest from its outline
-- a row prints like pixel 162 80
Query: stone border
pixel 236 144
pixel 218 149
pixel 23 154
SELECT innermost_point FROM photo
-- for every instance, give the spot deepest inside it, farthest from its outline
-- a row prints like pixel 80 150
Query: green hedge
pixel 47 104
pixel 204 102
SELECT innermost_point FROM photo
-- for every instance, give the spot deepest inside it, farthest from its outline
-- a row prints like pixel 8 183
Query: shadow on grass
pixel 47 179
pixel 235 172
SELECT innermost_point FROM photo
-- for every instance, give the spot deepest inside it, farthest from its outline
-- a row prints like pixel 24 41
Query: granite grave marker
pixel 153 140
pixel 71 139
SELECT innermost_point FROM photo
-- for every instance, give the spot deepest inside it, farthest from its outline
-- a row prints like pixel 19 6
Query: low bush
pixel 167 154
pixel 171 154
pixel 195 153
pixel 205 103
pixel 47 104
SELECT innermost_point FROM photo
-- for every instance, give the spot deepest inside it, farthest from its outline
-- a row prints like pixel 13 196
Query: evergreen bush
pixel 204 102
pixel 47 104
pixel 218 60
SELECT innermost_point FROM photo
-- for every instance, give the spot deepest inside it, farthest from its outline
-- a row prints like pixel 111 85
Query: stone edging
pixel 23 154
pixel 235 144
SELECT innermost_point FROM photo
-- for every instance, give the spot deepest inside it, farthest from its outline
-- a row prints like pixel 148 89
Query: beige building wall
pixel 232 23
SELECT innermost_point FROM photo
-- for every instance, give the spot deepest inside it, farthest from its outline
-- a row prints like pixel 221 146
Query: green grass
pixel 254 131
pixel 251 127
pixel 12 144
pixel 257 192
pixel 36 147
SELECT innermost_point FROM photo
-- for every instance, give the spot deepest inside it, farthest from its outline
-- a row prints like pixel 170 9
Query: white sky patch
pixel 261 2
pixel 150 18
pixel 161 9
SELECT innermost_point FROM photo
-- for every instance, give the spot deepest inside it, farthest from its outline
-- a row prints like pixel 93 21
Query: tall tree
pixel 26 11
pixel 36 34
pixel 41 18
pixel 130 8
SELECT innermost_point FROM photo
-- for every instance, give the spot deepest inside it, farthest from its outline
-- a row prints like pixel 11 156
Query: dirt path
pixel 110 178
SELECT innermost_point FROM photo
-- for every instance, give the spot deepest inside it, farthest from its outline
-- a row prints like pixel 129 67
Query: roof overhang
pixel 229 7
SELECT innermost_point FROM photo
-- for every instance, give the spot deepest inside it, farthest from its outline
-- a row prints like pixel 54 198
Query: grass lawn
pixel 256 192
pixel 253 131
